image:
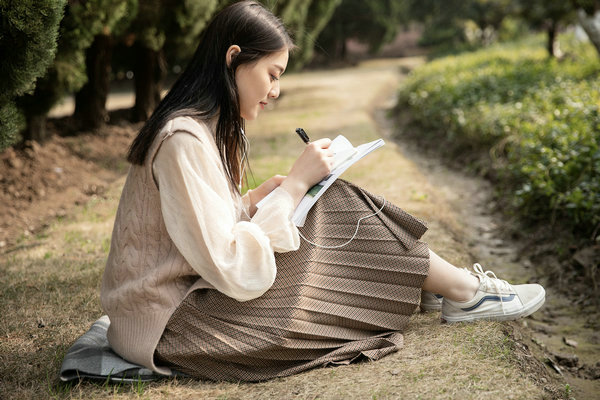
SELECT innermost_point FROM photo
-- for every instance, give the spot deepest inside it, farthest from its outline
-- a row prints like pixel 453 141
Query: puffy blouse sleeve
pixel 202 218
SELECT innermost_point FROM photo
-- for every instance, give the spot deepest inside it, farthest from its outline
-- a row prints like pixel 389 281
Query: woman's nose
pixel 274 93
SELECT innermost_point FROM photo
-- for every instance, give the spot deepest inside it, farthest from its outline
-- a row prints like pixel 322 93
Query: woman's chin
pixel 250 117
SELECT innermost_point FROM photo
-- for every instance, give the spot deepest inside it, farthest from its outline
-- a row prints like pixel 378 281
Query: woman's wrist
pixel 296 188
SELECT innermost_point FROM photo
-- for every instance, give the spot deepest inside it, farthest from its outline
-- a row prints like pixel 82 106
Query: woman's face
pixel 258 82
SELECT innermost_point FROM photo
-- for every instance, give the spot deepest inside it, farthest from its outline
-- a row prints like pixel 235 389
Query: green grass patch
pixel 532 121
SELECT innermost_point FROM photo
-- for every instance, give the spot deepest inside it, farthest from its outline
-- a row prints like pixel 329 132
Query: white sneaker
pixel 496 299
pixel 430 301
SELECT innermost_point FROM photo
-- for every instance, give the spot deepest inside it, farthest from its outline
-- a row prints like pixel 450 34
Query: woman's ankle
pixel 465 292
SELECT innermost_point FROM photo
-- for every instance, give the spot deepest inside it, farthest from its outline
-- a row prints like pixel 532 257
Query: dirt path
pixel 50 295
pixel 561 329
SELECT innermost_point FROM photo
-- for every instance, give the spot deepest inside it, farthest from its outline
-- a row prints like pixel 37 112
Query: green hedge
pixel 538 119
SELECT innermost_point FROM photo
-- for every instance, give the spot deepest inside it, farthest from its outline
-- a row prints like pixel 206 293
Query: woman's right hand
pixel 310 168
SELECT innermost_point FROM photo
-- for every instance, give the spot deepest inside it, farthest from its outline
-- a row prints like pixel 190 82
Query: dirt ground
pixel 39 183
pixel 58 206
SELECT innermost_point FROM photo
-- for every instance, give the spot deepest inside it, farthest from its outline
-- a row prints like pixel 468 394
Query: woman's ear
pixel 232 52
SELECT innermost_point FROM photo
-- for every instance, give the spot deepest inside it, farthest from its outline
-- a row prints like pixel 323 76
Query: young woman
pixel 201 281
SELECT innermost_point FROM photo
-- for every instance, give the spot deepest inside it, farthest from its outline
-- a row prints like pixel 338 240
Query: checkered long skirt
pixel 327 305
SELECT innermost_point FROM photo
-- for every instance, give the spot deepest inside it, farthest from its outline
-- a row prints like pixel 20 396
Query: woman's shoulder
pixel 196 127
pixel 185 135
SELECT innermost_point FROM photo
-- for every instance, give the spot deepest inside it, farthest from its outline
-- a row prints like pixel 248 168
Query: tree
pixel 488 16
pixel 588 14
pixel 112 17
pixel 28 40
pixel 167 32
pixel 174 24
pixel 442 20
pixel 82 21
pixel 547 15
pixel 456 22
pixel 374 22
pixel 305 19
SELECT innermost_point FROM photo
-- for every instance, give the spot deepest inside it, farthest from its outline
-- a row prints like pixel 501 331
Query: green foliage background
pixel 538 118
pixel 373 22
pixel 82 21
pixel 28 35
pixel 42 61
pixel 44 52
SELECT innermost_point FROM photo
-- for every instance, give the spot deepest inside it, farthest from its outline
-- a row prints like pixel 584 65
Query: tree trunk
pixel 591 26
pixel 551 45
pixel 90 101
pixel 343 50
pixel 149 71
pixel 36 128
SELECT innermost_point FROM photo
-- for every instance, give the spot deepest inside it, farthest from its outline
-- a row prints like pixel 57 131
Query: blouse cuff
pixel 275 219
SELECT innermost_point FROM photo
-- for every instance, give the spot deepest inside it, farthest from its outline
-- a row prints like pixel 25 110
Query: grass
pixel 50 283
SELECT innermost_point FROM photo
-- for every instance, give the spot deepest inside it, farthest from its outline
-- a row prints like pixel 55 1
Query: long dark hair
pixel 207 87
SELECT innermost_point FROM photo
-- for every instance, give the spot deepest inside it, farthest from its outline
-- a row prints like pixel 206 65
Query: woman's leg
pixel 449 281
pixel 469 296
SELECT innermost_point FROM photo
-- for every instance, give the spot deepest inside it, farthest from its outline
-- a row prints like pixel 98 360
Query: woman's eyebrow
pixel 280 68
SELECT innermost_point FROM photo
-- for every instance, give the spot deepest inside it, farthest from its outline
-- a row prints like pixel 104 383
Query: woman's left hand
pixel 263 190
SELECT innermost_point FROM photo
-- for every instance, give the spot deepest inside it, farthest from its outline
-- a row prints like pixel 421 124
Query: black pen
pixel 302 135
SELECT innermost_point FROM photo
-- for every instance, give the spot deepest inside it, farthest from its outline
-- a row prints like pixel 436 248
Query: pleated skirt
pixel 332 302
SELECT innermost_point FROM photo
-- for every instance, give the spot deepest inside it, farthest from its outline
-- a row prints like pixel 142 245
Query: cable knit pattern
pixel 190 234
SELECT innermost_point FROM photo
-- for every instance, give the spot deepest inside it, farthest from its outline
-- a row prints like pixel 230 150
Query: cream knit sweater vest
pixel 146 277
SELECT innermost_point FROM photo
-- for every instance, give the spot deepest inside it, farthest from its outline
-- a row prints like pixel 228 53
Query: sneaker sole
pixel 535 305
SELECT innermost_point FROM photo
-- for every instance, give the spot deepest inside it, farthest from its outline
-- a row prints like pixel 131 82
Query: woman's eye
pixel 274 78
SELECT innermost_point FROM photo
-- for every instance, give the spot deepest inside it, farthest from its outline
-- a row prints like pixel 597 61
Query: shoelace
pixel 490 278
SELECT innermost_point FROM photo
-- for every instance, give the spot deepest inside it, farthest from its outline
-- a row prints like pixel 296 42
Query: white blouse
pixel 209 224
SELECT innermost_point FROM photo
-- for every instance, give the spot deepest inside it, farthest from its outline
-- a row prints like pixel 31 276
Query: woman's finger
pixel 323 143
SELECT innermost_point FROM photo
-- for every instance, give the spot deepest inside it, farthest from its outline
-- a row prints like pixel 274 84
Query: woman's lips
pixel 262 105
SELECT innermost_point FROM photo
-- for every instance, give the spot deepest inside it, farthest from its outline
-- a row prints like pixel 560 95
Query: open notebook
pixel 345 154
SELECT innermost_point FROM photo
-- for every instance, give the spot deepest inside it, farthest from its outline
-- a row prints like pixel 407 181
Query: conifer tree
pixel 112 18
pixel 167 32
pixel 174 24
pixel 83 20
pixel 28 39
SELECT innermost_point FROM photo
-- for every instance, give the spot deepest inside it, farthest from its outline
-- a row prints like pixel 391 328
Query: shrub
pixel 28 35
pixel 538 118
